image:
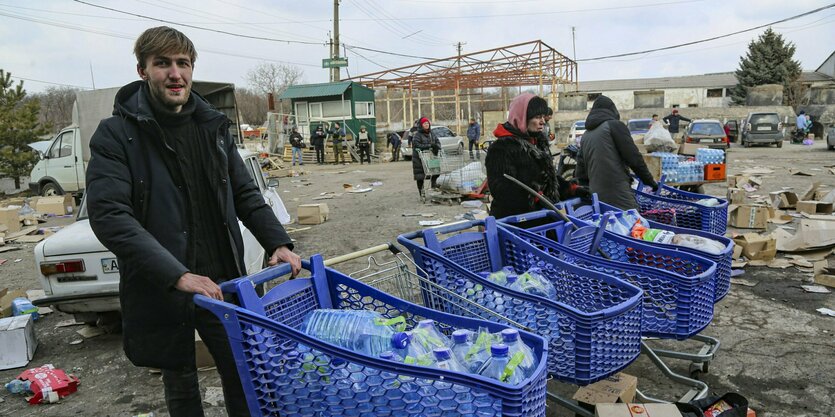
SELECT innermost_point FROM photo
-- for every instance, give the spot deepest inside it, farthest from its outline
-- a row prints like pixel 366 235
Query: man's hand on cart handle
pixel 284 254
pixel 199 284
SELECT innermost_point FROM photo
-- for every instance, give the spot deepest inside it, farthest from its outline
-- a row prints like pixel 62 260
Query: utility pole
pixel 574 47
pixel 335 51
pixel 459 46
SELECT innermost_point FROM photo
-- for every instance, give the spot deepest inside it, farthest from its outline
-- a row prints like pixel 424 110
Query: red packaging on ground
pixel 49 384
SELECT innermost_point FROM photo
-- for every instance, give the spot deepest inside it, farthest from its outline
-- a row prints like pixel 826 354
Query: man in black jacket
pixel 317 139
pixel 165 189
pixel 674 121
pixel 607 154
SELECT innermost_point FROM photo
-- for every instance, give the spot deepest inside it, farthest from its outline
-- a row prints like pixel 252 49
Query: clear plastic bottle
pixel 444 359
pixel 414 353
pixel 362 331
pixel 534 282
pixel 391 356
pixel 516 346
pixel 18 386
pixel 498 366
pixel 428 337
pixel 22 305
pixel 614 226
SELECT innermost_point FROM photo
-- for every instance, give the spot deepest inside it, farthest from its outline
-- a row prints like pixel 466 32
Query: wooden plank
pixel 23 232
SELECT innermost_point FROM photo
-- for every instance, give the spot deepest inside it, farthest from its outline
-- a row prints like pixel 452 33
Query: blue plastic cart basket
pixel 593 326
pixel 286 372
pixel 679 208
pixel 678 286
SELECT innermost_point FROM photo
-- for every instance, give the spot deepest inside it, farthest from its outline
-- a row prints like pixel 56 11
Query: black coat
pixel 422 141
pixel 317 138
pixel 674 120
pixel 606 155
pixel 139 210
pixel 296 140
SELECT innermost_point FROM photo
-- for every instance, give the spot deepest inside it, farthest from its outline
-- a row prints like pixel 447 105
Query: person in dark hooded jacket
pixel 521 151
pixel 607 154
pixel 423 140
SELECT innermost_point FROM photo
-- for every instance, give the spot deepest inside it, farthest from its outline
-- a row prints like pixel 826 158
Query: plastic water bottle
pixel 17 386
pixel 501 276
pixel 460 344
pixel 533 282
pixel 614 226
pixel 21 306
pixel 414 353
pixel 477 351
pixel 362 331
pixel 391 356
pixel 516 346
pixel 427 336
pixel 498 366
pixel 444 359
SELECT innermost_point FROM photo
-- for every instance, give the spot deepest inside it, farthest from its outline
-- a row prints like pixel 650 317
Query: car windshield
pixel 580 125
pixel 707 129
pixel 639 124
pixel 764 119
pixel 442 132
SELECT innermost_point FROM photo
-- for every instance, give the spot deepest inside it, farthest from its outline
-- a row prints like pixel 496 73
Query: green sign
pixel 334 62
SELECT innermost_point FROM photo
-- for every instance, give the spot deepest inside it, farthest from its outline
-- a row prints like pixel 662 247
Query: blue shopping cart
pixel 680 208
pixel 284 371
pixel 593 327
pixel 678 286
pixel 722 278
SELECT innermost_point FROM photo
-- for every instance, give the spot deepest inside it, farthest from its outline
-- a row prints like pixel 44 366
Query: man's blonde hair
pixel 162 40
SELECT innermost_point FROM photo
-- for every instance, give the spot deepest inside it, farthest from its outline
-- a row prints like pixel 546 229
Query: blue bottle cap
pixel 442 354
pixel 510 335
pixel 426 323
pixel 484 274
pixel 388 355
pixel 400 340
pixel 499 349
pixel 512 278
pixel 460 336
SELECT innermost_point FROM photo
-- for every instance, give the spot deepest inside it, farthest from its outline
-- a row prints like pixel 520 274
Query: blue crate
pixel 678 208
pixel 676 305
pixel 593 327
pixel 286 372
pixel 722 278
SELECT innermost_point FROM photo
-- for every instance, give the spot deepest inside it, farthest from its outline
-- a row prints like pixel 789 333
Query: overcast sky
pixel 60 40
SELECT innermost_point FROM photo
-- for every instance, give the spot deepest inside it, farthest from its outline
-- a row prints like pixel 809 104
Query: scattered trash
pixel 17 260
pixel 472 215
pixel 214 396
pixel 67 323
pixel 757 171
pixel 737 272
pixel 826 311
pixel 151 414
pixel 738 264
pixel 801 173
pixel 361 190
pixel 779 263
pixel 17 386
pixel 472 203
pixel 49 384
pixel 744 282
pixel 76 342
pixel 800 261
pixel 89 331
pixel 324 197
pixel 431 222
pixel 376 183
pixel 3 261
pixel 817 289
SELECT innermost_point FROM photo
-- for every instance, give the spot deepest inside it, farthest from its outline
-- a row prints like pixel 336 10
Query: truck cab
pixel 60 169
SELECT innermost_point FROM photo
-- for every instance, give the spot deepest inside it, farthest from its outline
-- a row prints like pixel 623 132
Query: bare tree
pixel 273 78
pixel 56 107
pixel 252 106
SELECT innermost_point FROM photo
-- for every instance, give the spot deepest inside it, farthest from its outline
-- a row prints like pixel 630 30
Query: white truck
pixel 62 166
pixel 81 277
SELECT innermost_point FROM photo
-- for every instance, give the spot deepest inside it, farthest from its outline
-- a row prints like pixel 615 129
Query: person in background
pixel 337 134
pixel 546 130
pixel 317 139
pixel 607 155
pixel 297 143
pixel 654 118
pixel 474 134
pixel 363 144
pixel 394 141
pixel 521 151
pixel 801 121
pixel 423 140
pixel 166 188
pixel 674 121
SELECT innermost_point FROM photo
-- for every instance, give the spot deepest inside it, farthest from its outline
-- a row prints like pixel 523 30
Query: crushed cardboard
pixel 813 232
pixel 783 199
pixel 743 282
pixel 749 216
pixel 826 311
pixel 757 247
pixel 815 289
pixel 618 388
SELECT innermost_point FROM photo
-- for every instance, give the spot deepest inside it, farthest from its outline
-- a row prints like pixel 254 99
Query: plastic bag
pixel 658 139
pixel 652 235
pixel 699 243
pixel 708 202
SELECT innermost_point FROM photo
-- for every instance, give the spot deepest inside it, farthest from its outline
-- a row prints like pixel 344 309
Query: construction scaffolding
pixel 527 64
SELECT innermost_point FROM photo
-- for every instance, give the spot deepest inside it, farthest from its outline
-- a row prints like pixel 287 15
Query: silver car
pixel 450 142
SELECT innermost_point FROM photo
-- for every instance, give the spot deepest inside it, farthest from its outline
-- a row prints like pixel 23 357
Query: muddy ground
pixel 776 349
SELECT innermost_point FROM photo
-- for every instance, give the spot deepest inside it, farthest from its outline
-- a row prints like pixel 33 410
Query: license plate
pixel 109 265
pixel 763 127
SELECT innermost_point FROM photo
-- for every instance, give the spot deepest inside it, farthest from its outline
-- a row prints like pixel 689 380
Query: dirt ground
pixel 776 349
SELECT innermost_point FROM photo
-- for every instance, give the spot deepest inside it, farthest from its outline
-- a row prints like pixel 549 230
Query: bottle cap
pixel 389 355
pixel 499 349
pixel 460 336
pixel 400 340
pixel 511 278
pixel 426 323
pixel 442 354
pixel 510 335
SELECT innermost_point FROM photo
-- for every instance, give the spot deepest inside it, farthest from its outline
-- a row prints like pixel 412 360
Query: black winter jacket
pixel 296 140
pixel 422 141
pixel 606 155
pixel 317 138
pixel 138 208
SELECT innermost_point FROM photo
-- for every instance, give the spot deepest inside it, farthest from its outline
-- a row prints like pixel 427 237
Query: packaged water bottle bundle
pixel 370 333
pixel 531 281
pixel 630 223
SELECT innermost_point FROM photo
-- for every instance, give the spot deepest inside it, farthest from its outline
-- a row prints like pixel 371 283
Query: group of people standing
pixel 336 134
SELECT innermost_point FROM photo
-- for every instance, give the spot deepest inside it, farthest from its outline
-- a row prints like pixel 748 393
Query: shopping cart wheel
pixel 697 369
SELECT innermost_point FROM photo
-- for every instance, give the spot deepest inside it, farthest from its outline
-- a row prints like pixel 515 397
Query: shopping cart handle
pixel 264 275
pixel 527 216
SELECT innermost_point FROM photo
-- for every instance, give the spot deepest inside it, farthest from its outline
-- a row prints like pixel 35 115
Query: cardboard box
pixel 313 213
pixel 757 247
pixel 815 231
pixel 17 341
pixel 58 205
pixel 782 199
pixel 690 148
pixel 10 218
pixel 618 388
pixel 748 216
pixel 736 196
pixel 814 207
pixel 6 297
pixel 637 410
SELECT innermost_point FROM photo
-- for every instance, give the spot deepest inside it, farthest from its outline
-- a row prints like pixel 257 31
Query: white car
pixel 578 128
pixel 450 142
pixel 81 277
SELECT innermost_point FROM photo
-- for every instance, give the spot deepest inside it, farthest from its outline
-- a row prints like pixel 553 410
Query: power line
pixel 238 35
pixel 708 39
pixel 49 82
pixel 391 53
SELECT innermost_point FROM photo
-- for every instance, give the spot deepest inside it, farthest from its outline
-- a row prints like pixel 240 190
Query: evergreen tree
pixel 19 127
pixel 769 61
